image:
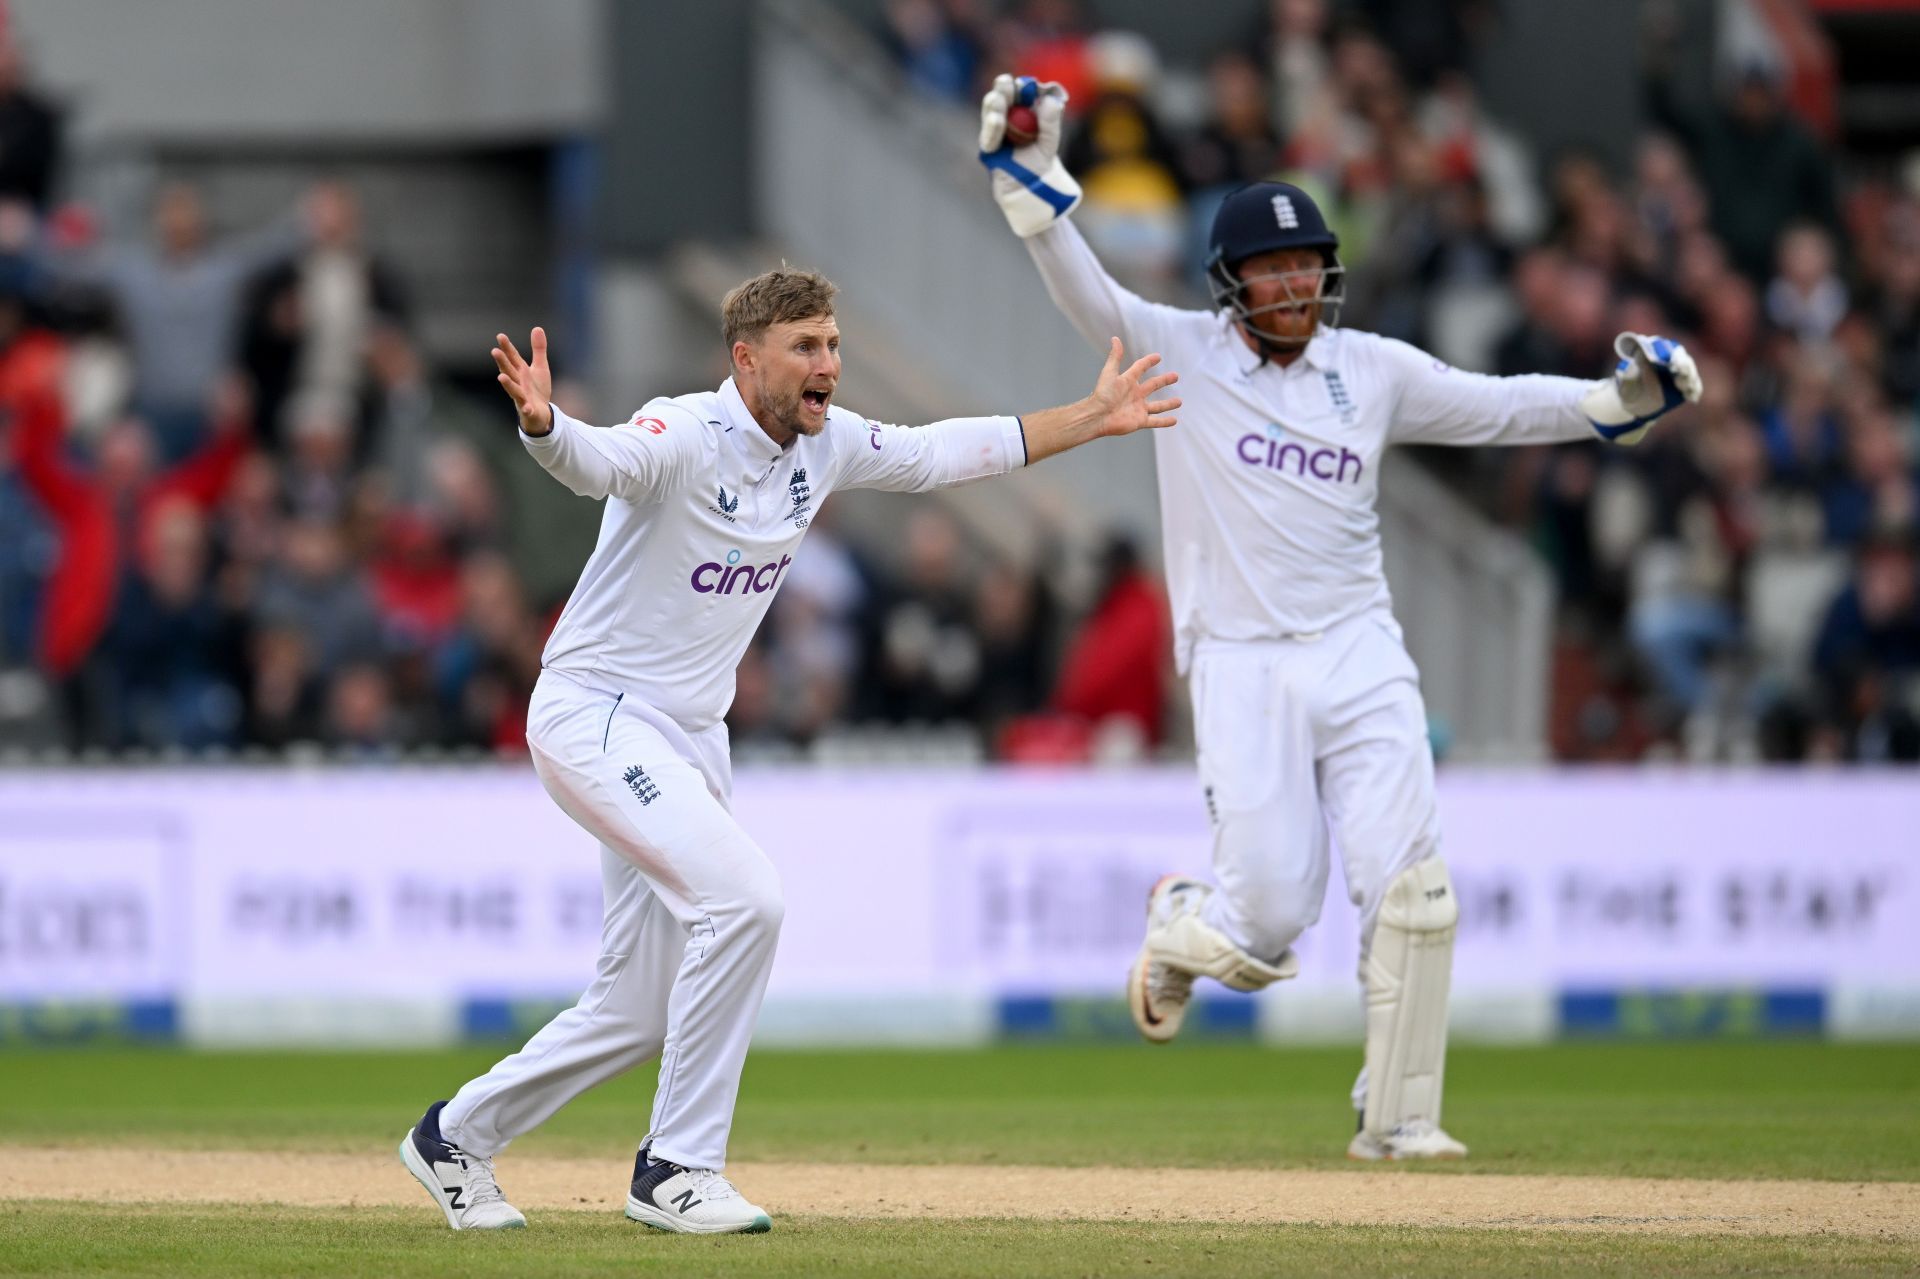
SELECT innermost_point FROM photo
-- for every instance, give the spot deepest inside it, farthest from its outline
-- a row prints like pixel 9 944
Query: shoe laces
pixel 481 1187
pixel 711 1185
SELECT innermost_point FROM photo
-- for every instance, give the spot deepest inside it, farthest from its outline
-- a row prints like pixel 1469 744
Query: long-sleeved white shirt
pixel 1268 486
pixel 704 513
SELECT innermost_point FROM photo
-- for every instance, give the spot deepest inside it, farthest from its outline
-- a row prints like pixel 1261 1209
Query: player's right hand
pixel 1121 398
pixel 530 385
pixel 1031 185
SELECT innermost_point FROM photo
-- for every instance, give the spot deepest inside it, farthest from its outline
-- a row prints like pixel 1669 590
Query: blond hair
pixel 780 296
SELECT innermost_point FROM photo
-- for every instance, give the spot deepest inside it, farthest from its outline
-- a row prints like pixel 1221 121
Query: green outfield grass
pixel 1787 1109
pixel 1751 1110
pixel 244 1242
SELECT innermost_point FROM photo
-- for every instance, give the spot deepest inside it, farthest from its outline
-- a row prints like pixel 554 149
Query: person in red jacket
pixel 1116 666
pixel 101 514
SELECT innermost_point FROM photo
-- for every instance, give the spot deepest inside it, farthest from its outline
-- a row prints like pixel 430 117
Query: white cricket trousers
pixel 1298 739
pixel 693 911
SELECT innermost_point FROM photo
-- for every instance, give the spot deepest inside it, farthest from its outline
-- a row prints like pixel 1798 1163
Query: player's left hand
pixel 1122 398
pixel 1655 375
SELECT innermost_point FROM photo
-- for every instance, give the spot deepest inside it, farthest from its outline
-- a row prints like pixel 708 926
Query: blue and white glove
pixel 1654 377
pixel 1034 189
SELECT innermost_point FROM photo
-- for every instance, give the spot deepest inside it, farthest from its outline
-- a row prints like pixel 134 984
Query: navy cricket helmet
pixel 1259 218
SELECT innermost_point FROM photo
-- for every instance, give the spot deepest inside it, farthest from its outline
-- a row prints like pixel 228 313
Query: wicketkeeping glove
pixel 1655 376
pixel 1033 187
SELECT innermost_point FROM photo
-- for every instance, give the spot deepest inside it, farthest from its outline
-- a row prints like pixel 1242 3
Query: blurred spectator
pixel 359 715
pixel 1684 611
pixel 32 363
pixel 1761 168
pixel 312 317
pixel 416 582
pixel 30 131
pixel 1891 302
pixel 1532 345
pixel 283 692
pixel 1299 66
pixel 1474 146
pixel 171 647
pixel 1428 37
pixel 316 590
pixel 815 628
pixel 1806 298
pixel 1868 652
pixel 1879 491
pixel 928 659
pixel 1047 39
pixel 319 475
pixel 179 304
pixel 1238 143
pixel 1128 169
pixel 1116 666
pixel 1667 201
pixel 487 667
pixel 1803 437
pixel 935 46
pixel 1013 615
pixel 102 512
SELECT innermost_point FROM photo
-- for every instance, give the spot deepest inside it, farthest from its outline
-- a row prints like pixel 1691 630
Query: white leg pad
pixel 1409 971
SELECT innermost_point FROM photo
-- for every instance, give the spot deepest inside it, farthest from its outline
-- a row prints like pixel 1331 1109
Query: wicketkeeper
pixel 1306 706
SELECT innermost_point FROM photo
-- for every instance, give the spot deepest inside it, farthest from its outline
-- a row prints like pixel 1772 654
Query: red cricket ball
pixel 1023 126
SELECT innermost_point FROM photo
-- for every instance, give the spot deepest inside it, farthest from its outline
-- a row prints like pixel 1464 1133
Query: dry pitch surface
pixel 1886 1210
pixel 1216 1160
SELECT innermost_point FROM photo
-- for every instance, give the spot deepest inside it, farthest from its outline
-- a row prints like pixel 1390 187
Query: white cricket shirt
pixel 1269 483
pixel 704 513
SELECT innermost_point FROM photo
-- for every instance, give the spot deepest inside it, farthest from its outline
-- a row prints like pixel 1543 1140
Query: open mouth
pixel 815 400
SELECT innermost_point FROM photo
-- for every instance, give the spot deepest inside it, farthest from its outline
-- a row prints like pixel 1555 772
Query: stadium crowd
pixel 240 512
pixel 1743 584
pixel 239 508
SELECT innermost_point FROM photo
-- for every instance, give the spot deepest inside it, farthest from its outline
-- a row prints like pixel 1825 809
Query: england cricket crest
pixel 797 487
pixel 1337 394
pixel 642 786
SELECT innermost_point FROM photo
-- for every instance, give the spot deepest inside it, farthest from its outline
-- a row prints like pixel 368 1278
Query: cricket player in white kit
pixel 707 498
pixel 1307 709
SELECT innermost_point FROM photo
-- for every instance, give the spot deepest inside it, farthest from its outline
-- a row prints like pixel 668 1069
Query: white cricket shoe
pixel 1181 946
pixel 461 1183
pixel 692 1201
pixel 1415 1139
pixel 1157 992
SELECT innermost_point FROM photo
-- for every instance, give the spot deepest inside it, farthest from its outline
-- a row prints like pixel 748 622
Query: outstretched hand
pixel 530 385
pixel 1122 398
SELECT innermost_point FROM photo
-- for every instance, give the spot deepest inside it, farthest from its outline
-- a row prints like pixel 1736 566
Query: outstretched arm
pixel 1438 404
pixel 914 459
pixel 638 460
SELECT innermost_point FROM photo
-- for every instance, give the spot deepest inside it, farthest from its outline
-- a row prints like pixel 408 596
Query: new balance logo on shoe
pixel 461 1184
pixel 696 1201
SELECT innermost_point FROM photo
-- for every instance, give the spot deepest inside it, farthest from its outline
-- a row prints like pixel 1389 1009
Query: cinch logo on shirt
pixel 735 578
pixel 1321 464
